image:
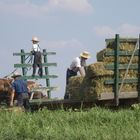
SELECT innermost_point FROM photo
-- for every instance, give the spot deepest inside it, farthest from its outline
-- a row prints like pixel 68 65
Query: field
pixel 96 123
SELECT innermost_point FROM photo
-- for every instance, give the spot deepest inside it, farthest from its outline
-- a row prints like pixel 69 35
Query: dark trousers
pixel 37 63
pixel 69 74
pixel 23 100
pixel 40 70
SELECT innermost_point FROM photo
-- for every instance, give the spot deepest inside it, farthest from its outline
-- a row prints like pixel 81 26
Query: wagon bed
pixel 106 99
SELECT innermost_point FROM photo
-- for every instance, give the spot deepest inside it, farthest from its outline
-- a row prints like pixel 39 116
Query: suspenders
pixel 38 48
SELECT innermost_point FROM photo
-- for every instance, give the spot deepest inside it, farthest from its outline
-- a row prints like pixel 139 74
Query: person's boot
pixel 40 72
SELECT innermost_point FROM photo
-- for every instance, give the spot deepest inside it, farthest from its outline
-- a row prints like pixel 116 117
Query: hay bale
pixel 87 89
pixel 93 84
pixel 93 88
pixel 73 88
pixel 130 74
pixel 101 57
pixel 98 69
pixel 126 44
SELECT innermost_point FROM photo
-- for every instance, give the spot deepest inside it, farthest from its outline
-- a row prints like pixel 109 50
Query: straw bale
pixel 93 84
pixel 130 74
pixel 97 69
pixel 87 90
pixel 129 87
pixel 125 45
pixel 74 86
pixel 92 89
pixel 101 57
pixel 75 81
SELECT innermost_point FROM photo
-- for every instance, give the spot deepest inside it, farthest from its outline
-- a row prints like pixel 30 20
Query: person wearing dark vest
pixel 78 65
pixel 20 89
pixel 36 52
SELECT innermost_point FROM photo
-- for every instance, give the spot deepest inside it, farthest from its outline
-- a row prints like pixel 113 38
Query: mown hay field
pixel 96 123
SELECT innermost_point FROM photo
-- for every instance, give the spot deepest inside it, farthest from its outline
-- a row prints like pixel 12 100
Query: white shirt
pixel 76 64
pixel 36 48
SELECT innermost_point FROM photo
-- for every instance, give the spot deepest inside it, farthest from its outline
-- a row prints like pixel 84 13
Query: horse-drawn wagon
pixel 113 80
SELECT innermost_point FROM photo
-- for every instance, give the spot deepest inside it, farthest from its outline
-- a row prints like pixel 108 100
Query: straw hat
pixel 16 74
pixel 85 54
pixel 35 39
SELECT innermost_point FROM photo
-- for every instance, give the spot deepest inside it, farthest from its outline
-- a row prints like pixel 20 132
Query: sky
pixel 67 27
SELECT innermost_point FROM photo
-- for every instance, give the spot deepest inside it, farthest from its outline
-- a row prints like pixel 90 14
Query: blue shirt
pixel 20 86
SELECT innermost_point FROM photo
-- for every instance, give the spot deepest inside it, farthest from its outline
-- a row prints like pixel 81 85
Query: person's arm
pixel 12 95
pixel 32 50
pixel 81 71
pixel 39 49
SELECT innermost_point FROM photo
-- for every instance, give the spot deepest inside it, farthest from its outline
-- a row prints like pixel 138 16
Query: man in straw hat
pixel 78 65
pixel 36 51
pixel 20 89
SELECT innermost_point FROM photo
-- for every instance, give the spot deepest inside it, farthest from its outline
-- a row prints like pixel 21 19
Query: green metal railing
pixel 23 65
pixel 116 66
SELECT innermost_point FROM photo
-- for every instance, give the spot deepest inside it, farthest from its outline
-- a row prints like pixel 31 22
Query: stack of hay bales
pixel 125 45
pixel 93 84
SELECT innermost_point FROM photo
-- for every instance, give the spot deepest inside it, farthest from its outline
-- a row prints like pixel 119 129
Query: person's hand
pixel 82 71
pixel 32 52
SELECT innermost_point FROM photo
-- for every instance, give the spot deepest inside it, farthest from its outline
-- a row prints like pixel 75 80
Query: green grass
pixel 95 124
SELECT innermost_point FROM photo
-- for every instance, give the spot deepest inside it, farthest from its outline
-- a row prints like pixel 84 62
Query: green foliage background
pixel 96 123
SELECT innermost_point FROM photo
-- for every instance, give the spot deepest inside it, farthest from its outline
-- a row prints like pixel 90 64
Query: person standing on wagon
pixel 36 52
